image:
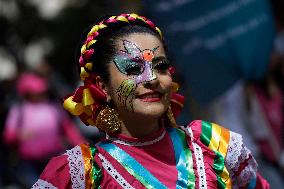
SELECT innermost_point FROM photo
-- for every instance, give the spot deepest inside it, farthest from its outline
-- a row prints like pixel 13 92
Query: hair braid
pixel 88 100
pixel 88 48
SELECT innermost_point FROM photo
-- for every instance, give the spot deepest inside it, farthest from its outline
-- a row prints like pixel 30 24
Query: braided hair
pixel 99 47
pixel 97 51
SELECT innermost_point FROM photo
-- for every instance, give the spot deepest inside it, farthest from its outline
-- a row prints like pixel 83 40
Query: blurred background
pixel 229 57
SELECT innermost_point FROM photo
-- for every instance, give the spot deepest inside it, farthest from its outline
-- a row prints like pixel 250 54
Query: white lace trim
pixel 236 155
pixel 114 173
pixel 76 166
pixel 200 165
pixel 127 143
pixel 248 173
pixel 199 159
pixel 234 152
pixel 243 156
pixel 42 184
pixel 188 131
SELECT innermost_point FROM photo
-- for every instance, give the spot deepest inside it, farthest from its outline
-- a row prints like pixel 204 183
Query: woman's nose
pixel 147 75
pixel 152 83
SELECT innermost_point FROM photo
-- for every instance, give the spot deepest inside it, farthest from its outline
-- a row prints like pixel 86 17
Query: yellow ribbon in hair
pixel 87 98
pixel 83 49
pixel 101 26
pixel 89 66
pixel 122 18
pixel 134 15
pixel 140 18
pixel 84 74
pixel 90 43
pixel 95 28
pixel 73 107
pixel 159 31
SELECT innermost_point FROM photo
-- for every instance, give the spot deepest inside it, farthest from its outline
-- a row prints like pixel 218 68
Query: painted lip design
pixel 152 96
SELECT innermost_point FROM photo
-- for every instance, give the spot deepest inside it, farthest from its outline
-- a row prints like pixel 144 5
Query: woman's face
pixel 140 81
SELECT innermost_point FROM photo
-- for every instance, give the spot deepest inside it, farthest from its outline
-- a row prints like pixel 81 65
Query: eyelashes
pixel 162 65
pixel 136 66
pixel 134 69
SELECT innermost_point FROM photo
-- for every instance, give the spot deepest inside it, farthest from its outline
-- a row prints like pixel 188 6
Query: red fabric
pixel 157 158
pixel 57 173
pixel 272 110
pixel 261 183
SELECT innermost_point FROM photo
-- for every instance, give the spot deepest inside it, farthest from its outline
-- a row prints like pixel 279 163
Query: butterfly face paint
pixel 137 64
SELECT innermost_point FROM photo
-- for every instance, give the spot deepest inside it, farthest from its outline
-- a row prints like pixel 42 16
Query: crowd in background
pixel 33 82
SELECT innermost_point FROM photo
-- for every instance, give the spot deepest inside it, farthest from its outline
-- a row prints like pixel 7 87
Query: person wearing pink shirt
pixel 37 127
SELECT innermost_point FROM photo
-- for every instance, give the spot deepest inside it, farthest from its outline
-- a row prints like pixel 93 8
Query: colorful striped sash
pixel 183 156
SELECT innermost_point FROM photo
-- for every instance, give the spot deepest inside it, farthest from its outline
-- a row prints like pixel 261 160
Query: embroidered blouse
pixel 201 155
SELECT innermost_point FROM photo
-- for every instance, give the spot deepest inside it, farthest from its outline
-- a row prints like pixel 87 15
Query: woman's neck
pixel 139 127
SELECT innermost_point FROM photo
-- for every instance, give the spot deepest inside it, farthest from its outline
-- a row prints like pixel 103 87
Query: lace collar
pixel 145 141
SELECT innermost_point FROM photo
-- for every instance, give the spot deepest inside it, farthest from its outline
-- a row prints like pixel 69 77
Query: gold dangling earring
pixel 171 117
pixel 108 121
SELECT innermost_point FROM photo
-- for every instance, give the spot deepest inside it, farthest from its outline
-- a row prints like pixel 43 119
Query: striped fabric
pixel 217 139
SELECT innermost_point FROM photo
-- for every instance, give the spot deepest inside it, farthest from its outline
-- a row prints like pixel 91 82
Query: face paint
pixel 125 90
pixel 128 65
pixel 137 64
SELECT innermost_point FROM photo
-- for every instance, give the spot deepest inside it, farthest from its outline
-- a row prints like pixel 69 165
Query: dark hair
pixel 105 46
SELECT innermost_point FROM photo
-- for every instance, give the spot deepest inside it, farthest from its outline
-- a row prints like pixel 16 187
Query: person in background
pixel 255 109
pixel 36 129
pixel 128 93
pixel 265 111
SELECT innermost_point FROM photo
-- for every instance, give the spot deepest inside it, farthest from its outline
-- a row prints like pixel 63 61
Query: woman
pixel 128 93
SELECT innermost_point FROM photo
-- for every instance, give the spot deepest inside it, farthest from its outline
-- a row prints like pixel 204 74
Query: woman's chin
pixel 150 108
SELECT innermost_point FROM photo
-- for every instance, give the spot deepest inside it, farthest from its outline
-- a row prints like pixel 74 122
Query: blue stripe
pixel 180 156
pixel 132 166
pixel 252 184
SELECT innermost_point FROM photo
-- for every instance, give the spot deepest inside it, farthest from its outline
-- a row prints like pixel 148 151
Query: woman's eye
pixel 133 69
pixel 162 65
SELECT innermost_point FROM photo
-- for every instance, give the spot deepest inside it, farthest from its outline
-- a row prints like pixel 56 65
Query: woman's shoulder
pixel 228 147
pixel 215 137
pixel 207 132
pixel 69 170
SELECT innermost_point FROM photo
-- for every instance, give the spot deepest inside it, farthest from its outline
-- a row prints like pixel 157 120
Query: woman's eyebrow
pixel 158 58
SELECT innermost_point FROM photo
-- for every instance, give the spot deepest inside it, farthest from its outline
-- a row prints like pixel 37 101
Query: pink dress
pixel 201 155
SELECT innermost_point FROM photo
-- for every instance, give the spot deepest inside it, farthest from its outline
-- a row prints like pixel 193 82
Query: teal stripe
pixel 206 133
pixel 132 166
pixel 184 162
pixel 252 184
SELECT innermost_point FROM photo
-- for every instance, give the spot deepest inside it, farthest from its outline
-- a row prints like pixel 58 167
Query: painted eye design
pixel 162 65
pixel 134 68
